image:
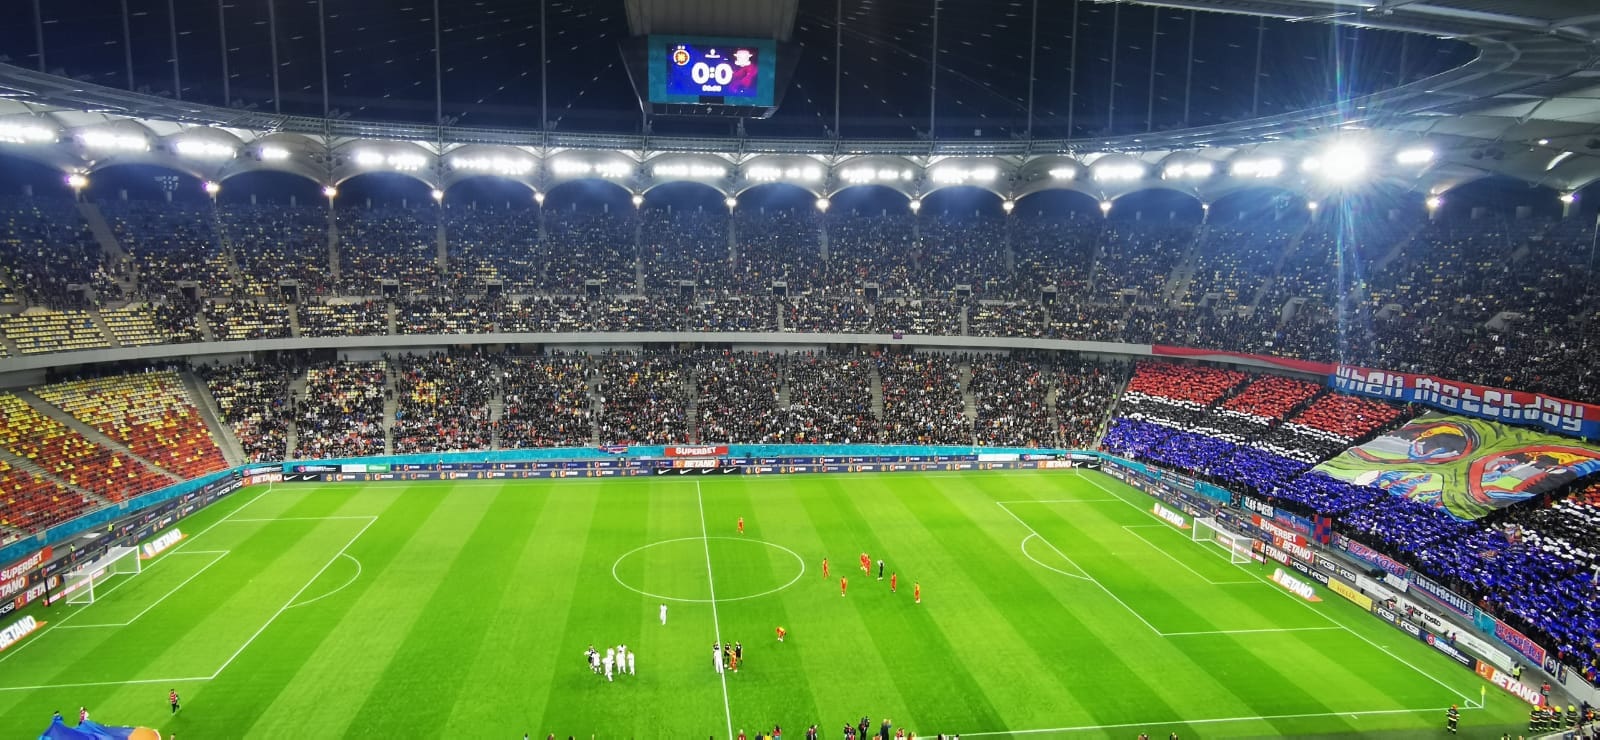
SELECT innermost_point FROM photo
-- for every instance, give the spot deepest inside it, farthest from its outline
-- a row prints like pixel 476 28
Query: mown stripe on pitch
pixel 272 683
pixel 776 688
pixel 451 624
pixel 338 677
pixel 1153 662
pixel 1063 636
pixel 1259 683
pixel 908 645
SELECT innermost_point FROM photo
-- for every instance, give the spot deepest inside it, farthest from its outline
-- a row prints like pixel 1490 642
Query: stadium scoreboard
pixel 711 72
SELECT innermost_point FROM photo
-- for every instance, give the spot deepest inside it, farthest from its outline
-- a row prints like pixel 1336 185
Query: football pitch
pixel 1053 605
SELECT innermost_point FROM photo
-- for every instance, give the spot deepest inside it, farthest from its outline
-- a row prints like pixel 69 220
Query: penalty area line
pixel 1338 623
pixel 219 555
pixel 287 604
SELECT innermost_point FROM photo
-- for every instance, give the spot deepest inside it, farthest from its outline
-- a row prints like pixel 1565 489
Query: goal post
pixel 80 584
pixel 1238 547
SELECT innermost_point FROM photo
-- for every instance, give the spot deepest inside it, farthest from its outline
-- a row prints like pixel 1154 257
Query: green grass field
pixel 1054 605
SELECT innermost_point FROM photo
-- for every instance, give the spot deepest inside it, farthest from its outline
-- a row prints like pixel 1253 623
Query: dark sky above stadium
pixel 1135 68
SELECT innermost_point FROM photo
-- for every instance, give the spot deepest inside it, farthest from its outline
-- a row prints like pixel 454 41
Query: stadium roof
pixel 1391 73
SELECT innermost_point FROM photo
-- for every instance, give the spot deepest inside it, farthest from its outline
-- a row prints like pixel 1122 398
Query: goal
pixel 80 584
pixel 1237 546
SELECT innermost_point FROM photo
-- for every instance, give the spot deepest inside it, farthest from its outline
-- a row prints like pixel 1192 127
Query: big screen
pixel 712 71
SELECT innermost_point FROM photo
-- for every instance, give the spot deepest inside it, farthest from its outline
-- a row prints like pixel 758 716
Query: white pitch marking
pixel 1212 721
pixel 1114 597
pixel 341 587
pixel 1042 564
pixel 157 602
pixel 292 599
pixel 716 626
pixel 1312 609
pixel 1182 564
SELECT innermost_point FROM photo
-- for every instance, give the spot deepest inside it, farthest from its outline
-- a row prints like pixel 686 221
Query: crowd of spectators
pixel 171 243
pixel 45 247
pixel 739 397
pixel 644 398
pixel 342 414
pixel 829 400
pixel 922 399
pixel 493 244
pixel 1012 400
pixel 388 243
pixel 272 243
pixel 442 402
pixel 254 400
pixel 547 402
pixel 359 318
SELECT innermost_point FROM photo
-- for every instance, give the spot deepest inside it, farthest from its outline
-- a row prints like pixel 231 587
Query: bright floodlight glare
pixel 26 133
pixel 1258 168
pixel 114 141
pixel 77 181
pixel 202 149
pixel 274 154
pixel 329 191
pixel 1434 202
pixel 916 204
pixel 1415 156
pixel 538 197
pixel 822 204
pixel 638 200
pixel 1008 205
pixel 1105 206
pixel 1118 172
pixel 1342 163
pixel 731 202
pixel 1569 198
pixel 438 195
pixel 1064 173
pixel 1312 205
pixel 211 187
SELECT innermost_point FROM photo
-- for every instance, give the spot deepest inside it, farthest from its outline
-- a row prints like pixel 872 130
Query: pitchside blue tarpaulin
pixel 87 730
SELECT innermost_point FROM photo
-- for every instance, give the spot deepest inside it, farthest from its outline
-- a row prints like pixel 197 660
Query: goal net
pixel 1237 546
pixel 81 584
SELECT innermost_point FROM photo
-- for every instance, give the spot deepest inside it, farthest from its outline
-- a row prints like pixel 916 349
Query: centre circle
pixel 694 555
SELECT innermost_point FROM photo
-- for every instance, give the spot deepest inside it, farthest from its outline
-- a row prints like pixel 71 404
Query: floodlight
pixel 538 197
pixel 114 141
pixel 211 188
pixel 202 149
pixel 731 202
pixel 1415 156
pixel 1312 205
pixel 1105 206
pixel 1063 173
pixel 77 181
pixel 1341 163
pixel 1186 171
pixel 438 195
pixel 1008 205
pixel 1569 198
pixel 26 133
pixel 274 154
pixel 638 200
pixel 329 192
pixel 1257 168
pixel 1433 202
pixel 1125 172
pixel 822 204
pixel 916 204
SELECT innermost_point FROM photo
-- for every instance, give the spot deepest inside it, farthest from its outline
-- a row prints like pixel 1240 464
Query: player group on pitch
pixel 616 661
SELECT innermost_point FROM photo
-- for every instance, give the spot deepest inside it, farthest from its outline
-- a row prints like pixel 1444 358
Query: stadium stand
pixel 39 331
pixel 254 400
pixel 739 397
pixel 151 413
pixel 70 457
pixel 442 403
pixel 547 402
pixel 342 414
pixel 644 399
pixel 45 247
pixel 362 318
pixel 922 401
pixel 134 326
pixel 248 320
pixel 273 243
pixel 32 503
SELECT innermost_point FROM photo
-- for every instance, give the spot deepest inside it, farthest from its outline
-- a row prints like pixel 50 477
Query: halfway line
pixel 716 627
